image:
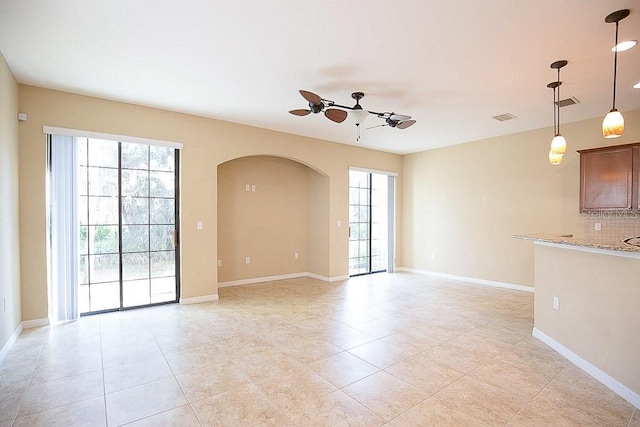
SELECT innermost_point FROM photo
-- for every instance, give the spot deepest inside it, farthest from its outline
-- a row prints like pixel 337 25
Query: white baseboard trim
pixel 198 300
pixel 10 342
pixel 614 385
pixel 493 283
pixel 35 323
pixel 253 280
pixel 319 277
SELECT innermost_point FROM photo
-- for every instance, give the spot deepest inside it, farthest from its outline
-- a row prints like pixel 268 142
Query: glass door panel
pixel 379 224
pixel 99 225
pixel 149 218
pixel 128 212
pixel 359 224
pixel 368 222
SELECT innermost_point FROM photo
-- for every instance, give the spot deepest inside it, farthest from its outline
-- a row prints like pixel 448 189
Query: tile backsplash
pixel 615 226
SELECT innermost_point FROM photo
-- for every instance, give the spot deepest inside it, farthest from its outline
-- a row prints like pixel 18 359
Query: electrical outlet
pixel 253 188
pixel 598 226
pixel 219 263
pixel 295 255
pixel 247 187
pixel 556 303
pixel 199 225
pixel 247 260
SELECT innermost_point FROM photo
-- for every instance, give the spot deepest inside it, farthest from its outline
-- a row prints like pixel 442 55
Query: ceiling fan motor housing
pixel 315 108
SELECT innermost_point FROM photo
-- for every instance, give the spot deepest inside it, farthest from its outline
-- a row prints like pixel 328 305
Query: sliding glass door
pixel 128 215
pixel 370 200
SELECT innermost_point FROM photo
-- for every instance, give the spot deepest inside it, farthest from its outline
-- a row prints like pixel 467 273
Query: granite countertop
pixel 568 239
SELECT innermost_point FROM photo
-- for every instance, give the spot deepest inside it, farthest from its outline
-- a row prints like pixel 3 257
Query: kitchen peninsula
pixel 587 306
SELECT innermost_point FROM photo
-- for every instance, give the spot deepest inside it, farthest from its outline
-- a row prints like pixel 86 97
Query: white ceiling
pixel 452 64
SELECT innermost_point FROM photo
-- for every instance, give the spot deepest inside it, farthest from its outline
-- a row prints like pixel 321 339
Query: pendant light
pixel 558 144
pixel 613 123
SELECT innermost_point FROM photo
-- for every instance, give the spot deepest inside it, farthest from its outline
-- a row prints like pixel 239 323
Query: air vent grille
pixel 569 101
pixel 504 117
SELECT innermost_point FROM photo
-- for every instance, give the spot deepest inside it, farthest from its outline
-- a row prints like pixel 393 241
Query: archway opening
pixel 273 220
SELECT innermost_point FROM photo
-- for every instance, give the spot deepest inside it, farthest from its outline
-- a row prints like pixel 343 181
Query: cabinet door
pixel 606 179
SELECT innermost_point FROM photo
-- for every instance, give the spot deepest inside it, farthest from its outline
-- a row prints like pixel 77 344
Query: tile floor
pixel 389 349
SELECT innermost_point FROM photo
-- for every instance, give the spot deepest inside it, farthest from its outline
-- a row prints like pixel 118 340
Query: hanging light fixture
pixel 558 144
pixel 613 123
pixel 358 114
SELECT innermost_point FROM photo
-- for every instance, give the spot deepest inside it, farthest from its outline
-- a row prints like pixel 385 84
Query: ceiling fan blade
pixel 311 97
pixel 399 117
pixel 336 115
pixel 405 124
pixel 300 112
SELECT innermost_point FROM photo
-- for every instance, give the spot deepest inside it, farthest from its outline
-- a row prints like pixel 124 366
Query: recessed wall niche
pixel 269 210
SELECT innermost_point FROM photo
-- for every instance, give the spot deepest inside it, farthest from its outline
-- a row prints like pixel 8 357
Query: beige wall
pixel 270 224
pixel 207 143
pixel 318 249
pixel 463 203
pixel 11 316
pixel 597 317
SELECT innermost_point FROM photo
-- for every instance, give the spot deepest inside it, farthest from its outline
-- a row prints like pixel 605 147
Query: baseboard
pixel 319 277
pixel 198 300
pixel 254 280
pixel 35 323
pixel 493 283
pixel 614 385
pixel 10 342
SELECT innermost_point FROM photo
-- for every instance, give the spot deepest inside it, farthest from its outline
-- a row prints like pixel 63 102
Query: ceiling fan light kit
pixel 338 113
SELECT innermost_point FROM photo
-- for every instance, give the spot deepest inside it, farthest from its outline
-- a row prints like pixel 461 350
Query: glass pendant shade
pixel 555 158
pixel 613 124
pixel 358 116
pixel 559 145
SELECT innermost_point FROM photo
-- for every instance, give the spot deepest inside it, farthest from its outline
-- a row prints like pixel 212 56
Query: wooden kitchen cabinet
pixel 610 178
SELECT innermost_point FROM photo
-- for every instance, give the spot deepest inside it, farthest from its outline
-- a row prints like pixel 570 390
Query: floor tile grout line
pixel 460 378
pixel 33 371
pixel 536 395
pixel 104 383
pixel 175 377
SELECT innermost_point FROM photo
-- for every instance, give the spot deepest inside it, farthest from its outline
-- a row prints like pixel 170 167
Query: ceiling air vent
pixel 504 117
pixel 569 101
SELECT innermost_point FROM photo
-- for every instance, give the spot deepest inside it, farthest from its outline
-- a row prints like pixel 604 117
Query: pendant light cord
pixel 558 102
pixel 615 67
pixel 555 123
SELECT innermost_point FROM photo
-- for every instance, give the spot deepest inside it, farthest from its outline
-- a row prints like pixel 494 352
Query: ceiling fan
pixel 338 113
